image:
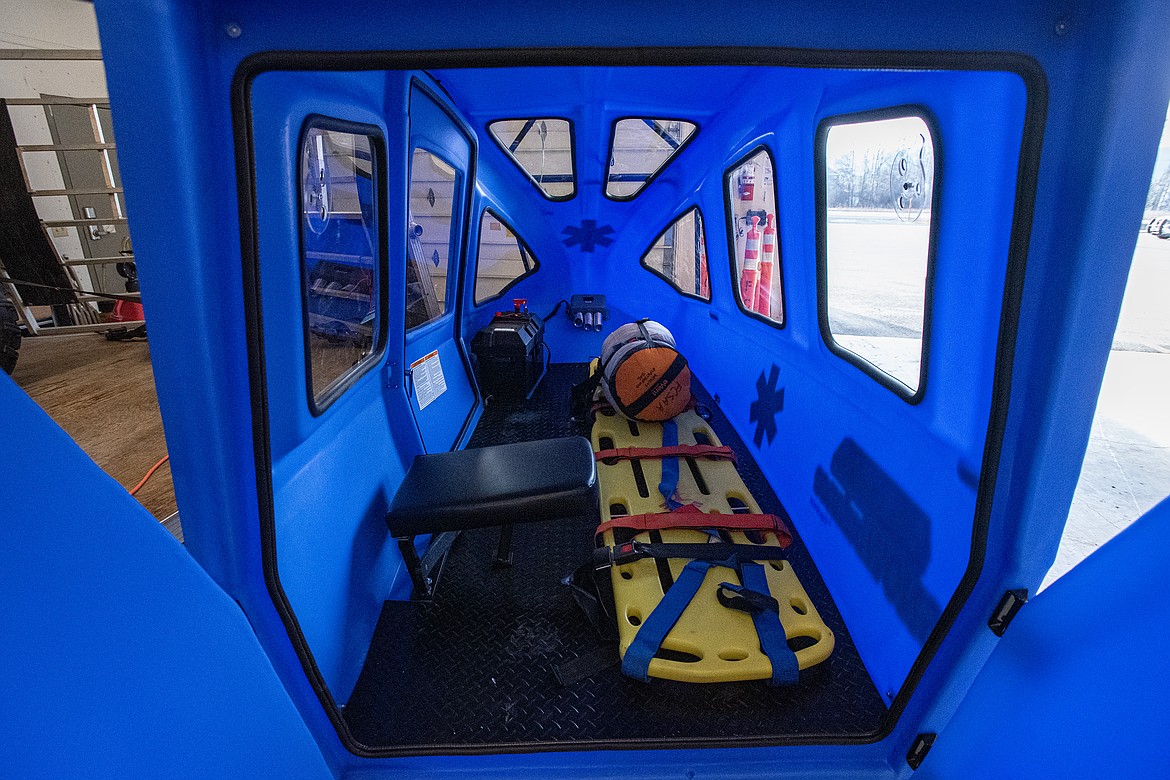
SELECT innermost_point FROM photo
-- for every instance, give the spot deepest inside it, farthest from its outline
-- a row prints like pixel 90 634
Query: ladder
pixel 85 316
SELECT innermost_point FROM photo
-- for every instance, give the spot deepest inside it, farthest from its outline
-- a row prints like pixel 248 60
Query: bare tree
pixel 1158 198
pixel 842 182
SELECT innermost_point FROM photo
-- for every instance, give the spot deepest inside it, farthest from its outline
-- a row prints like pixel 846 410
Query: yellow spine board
pixel 722 641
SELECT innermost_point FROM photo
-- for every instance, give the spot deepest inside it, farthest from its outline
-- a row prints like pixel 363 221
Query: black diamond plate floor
pixel 475 668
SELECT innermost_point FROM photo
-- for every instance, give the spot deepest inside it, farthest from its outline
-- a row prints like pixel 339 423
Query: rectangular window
pixel 340 246
pixel 755 244
pixel 679 256
pixel 878 187
pixel 502 258
pixel 430 237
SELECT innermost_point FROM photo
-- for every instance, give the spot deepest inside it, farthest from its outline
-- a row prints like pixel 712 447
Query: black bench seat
pixel 507 483
pixel 488 486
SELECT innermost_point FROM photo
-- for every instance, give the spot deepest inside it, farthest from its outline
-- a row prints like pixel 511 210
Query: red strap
pixel 691 518
pixel 708 451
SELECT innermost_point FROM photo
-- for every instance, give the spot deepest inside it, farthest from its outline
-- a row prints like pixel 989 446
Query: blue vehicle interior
pixel 339 197
pixel 859 472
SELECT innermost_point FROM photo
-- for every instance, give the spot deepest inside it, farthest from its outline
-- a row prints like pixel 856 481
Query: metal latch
pixel 918 751
pixel 1009 605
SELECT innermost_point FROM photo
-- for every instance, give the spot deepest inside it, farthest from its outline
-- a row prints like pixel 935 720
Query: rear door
pixel 1078 685
pixel 443 395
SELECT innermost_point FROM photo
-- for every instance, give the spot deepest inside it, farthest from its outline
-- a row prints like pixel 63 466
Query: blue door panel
pixel 122 658
pixel 1077 685
pixel 448 419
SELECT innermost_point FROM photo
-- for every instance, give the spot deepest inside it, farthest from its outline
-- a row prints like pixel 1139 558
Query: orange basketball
pixel 644 377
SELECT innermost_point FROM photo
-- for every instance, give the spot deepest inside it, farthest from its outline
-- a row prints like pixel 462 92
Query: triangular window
pixel 502 260
pixel 543 148
pixel 639 149
pixel 679 256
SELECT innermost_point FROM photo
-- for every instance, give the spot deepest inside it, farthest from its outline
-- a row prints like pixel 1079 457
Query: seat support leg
pixel 423 584
pixel 504 550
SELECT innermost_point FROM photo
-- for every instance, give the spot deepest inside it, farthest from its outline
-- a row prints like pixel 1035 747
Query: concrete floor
pixel 878 295
pixel 1127 465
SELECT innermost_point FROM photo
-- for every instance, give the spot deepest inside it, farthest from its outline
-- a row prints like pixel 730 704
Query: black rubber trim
pixel 508 153
pixel 346 379
pixel 910 395
pixel 1036 88
pixel 691 207
pixel 730 215
pixel 1031 146
pixel 524 248
pixel 674 153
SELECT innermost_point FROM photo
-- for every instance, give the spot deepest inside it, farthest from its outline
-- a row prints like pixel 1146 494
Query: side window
pixel 430 237
pixel 755 245
pixel 501 260
pixel 341 255
pixel 679 256
pixel 878 186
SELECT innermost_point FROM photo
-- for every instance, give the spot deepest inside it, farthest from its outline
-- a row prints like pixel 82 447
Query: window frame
pixel 730 230
pixel 687 209
pixel 484 212
pixel 665 163
pixel 910 395
pixel 460 207
pixel 379 172
pixel 523 171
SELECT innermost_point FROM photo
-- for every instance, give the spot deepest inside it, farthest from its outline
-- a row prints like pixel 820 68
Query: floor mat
pixel 477 666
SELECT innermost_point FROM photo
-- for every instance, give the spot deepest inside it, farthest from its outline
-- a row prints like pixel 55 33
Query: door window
pixel 879 184
pixel 430 236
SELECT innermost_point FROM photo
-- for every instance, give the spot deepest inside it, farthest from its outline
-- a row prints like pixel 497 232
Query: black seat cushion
pixel 507 483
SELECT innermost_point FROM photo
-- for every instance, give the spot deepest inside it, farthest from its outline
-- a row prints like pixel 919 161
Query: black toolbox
pixel 509 354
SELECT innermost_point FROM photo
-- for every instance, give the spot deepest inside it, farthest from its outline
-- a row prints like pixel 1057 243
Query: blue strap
pixel 636 662
pixel 651 635
pixel 773 640
pixel 669 484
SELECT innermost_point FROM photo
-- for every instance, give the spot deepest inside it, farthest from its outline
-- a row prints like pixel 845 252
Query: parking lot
pixel 876 305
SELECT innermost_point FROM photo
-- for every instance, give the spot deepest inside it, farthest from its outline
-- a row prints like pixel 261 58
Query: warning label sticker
pixel 428 380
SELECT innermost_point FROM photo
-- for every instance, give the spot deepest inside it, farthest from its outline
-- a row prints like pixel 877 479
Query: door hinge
pixel 918 751
pixel 1009 605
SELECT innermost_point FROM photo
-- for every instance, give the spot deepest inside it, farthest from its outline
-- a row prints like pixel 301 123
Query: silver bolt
pixel 233 30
